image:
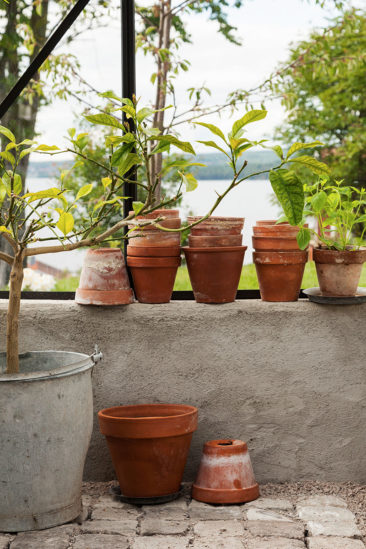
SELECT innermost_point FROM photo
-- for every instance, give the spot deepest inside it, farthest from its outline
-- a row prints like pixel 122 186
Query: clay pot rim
pixel 222 448
pixel 103 250
pixel 214 249
pixel 157 213
pixel 103 297
pixel 289 257
pixel 339 257
pixel 222 496
pixel 215 218
pixel 152 262
pixel 186 410
pixel 270 222
pixel 275 237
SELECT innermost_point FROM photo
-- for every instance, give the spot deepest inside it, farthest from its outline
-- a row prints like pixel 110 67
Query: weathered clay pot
pixel 162 212
pixel 149 444
pixel 215 272
pixel 155 239
pixel 104 279
pixel 225 474
pixel 171 223
pixel 209 241
pixel 280 274
pixel 150 251
pixel 274 243
pixel 217 226
pixel 153 277
pixel 339 271
pixel 262 222
pixel 281 229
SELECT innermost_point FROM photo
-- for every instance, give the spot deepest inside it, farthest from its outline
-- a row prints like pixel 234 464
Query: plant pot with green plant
pixel 340 256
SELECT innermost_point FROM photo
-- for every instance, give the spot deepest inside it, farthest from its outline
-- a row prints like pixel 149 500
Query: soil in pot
pixel 104 279
pixel 280 274
pixel 215 272
pixel 149 445
pixel 274 243
pixel 225 474
pixel 149 251
pixel 153 277
pixel 339 272
pixel 209 241
pixel 217 226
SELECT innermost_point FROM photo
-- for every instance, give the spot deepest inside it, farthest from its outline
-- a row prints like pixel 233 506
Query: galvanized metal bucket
pixel 46 419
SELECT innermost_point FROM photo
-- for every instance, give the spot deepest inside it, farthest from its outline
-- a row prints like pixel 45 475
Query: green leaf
pixel 7 133
pixel 120 154
pixel 17 185
pixel 65 223
pixel 361 219
pixel 104 120
pixel 110 95
pixel 251 116
pixel 303 238
pixel 117 140
pixel 137 207
pixel 212 144
pixel 4 229
pixel 300 146
pixel 46 148
pixel 129 110
pixel 189 180
pixel 6 155
pixel 318 201
pixel 144 113
pixel 314 165
pixel 52 192
pixel 71 132
pixel 26 151
pixel 213 129
pixel 84 191
pixel 278 150
pixel 106 181
pixel 171 140
pixel 289 191
pixel 110 201
pixel 127 162
pixel 2 192
pixel 10 145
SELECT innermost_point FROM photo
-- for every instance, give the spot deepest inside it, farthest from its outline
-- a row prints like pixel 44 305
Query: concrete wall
pixel 289 378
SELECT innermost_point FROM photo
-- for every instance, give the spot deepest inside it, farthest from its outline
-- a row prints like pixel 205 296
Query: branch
pixel 11 241
pixel 6 257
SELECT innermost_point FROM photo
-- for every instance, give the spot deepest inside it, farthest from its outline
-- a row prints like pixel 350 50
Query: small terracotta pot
pixel 274 243
pixel 209 241
pixel 173 223
pixel 225 474
pixel 276 230
pixel 215 272
pixel 155 239
pixel 153 277
pixel 158 213
pixel 149 251
pixel 149 444
pixel 280 274
pixel 217 226
pixel 262 222
pixel 339 272
pixel 104 279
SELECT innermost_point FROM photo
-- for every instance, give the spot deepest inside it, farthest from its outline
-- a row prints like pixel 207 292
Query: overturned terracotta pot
pixel 339 272
pixel 275 243
pixel 150 251
pixel 153 277
pixel 215 272
pixel 225 474
pixel 149 445
pixel 280 274
pixel 104 279
pixel 217 226
pixel 209 241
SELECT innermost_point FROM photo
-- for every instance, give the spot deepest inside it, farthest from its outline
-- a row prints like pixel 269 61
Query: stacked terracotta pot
pixel 153 256
pixel 278 260
pixel 215 258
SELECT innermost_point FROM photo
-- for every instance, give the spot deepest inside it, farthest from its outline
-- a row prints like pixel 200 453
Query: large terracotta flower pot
pixel 153 277
pixel 215 272
pixel 217 226
pixel 274 243
pixel 339 271
pixel 280 274
pixel 104 279
pixel 149 445
pixel 150 251
pixel 225 474
pixel 209 241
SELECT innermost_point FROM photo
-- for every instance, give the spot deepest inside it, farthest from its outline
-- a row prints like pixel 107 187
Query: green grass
pixel 248 279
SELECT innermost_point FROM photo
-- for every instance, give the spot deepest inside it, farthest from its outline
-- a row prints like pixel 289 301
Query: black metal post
pixel 42 55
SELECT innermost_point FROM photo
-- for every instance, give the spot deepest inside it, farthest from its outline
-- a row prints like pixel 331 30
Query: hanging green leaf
pixel 314 165
pixel 106 182
pixel 6 155
pixel 278 150
pixel 65 223
pixel 128 161
pixel 189 180
pixel 53 192
pixel 137 207
pixel 300 146
pixel 104 120
pixel 171 140
pixel 318 201
pixel 251 116
pixel 213 145
pixel 7 133
pixel 144 113
pixel 214 129
pixel 84 191
pixel 289 191
pixel 303 238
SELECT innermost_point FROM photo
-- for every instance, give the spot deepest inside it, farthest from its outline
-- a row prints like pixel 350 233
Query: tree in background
pixel 323 90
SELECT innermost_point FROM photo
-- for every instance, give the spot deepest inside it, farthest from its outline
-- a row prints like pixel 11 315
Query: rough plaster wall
pixel 289 378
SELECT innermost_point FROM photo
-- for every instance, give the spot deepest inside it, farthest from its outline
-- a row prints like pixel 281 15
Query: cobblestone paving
pixel 311 522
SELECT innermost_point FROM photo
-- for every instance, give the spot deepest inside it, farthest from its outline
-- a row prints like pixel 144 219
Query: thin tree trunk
pixel 12 343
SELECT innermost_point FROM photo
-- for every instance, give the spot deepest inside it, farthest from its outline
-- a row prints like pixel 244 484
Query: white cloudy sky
pixel 266 28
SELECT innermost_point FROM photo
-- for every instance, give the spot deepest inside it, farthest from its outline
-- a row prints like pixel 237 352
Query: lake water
pixel 251 199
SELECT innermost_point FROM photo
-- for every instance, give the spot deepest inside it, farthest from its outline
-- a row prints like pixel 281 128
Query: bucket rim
pixel 84 363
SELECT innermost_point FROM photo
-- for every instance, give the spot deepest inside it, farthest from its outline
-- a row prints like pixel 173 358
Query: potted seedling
pixel 339 256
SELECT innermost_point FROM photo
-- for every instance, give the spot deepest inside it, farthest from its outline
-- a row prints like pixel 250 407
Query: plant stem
pixel 15 287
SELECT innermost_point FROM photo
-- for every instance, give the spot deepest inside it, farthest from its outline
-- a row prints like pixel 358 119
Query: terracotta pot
pixel 149 444
pixel 173 223
pixel 209 241
pixel 153 277
pixel 158 213
pixel 104 279
pixel 274 243
pixel 339 271
pixel 217 226
pixel 215 272
pixel 149 251
pixel 280 274
pixel 262 222
pixel 276 230
pixel 155 239
pixel 225 474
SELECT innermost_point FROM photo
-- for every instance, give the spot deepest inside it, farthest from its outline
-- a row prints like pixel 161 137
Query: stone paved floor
pixel 304 521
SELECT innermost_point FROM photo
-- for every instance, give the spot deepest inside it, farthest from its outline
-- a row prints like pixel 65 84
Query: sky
pixel 266 28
